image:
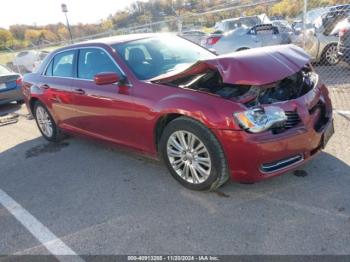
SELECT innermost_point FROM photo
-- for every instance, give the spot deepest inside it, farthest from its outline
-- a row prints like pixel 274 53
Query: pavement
pixel 84 197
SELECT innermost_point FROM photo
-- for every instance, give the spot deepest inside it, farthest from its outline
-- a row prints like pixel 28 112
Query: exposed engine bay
pixel 288 88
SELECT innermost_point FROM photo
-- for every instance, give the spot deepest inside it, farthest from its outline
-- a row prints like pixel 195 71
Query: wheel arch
pixel 160 125
pixel 32 102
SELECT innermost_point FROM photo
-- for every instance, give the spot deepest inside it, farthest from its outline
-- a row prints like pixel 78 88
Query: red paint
pixel 106 78
pixel 127 114
pixel 259 66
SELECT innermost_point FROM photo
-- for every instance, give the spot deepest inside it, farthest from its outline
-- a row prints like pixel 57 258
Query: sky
pixel 42 12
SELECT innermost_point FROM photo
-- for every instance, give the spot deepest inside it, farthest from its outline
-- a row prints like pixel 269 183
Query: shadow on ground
pixel 100 200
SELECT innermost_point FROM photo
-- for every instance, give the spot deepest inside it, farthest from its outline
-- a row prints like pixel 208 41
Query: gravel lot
pixel 101 200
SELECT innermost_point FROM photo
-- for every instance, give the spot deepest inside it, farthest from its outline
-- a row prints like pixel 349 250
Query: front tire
pixel 193 155
pixel 46 124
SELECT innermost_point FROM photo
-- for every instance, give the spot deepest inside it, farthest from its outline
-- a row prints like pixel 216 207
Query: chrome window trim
pixel 78 48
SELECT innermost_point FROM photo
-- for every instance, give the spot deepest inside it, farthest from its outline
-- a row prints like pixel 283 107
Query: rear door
pixel 57 83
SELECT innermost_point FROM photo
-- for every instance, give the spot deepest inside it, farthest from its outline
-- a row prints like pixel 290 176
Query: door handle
pixel 45 86
pixel 79 91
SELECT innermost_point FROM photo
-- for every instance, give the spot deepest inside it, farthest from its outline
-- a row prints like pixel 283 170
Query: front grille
pixel 292 119
pixel 282 163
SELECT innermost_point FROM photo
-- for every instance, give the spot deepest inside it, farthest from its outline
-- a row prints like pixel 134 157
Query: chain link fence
pixel 316 29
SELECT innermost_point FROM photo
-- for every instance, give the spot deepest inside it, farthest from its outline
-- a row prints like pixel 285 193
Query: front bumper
pixel 254 157
pixel 11 95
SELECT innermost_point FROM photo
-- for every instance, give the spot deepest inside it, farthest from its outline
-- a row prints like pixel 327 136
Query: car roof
pixel 122 38
pixel 112 40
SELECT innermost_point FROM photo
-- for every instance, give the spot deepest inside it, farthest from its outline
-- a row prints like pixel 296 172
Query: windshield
pixel 151 57
pixel 4 70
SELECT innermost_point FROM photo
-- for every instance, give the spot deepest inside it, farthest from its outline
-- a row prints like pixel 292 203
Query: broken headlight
pixel 260 119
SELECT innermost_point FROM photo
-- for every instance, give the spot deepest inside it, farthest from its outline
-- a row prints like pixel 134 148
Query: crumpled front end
pixel 253 157
pixel 287 114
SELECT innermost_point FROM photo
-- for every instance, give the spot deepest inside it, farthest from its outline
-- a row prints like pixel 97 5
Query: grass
pixel 6 57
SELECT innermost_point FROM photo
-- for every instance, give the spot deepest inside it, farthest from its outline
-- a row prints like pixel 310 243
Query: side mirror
pixel 106 78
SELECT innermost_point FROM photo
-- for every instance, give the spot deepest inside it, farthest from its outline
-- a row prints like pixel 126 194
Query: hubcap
pixel 332 55
pixel 44 121
pixel 189 157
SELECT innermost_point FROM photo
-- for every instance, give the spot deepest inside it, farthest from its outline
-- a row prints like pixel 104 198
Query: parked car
pixel 314 14
pixel 311 16
pixel 285 28
pixel 244 38
pixel 249 116
pixel 26 61
pixel 343 30
pixel 320 44
pixel 10 86
pixel 245 21
pixel 194 36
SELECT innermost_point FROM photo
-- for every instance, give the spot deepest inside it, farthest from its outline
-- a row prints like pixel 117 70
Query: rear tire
pixel 46 124
pixel 330 55
pixel 193 155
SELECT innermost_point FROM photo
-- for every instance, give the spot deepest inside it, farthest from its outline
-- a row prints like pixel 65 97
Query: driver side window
pixel 93 61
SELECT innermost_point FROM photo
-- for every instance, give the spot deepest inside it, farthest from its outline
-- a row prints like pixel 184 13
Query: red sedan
pixel 249 115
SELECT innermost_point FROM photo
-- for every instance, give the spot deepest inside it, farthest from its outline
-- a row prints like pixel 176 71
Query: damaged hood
pixel 259 66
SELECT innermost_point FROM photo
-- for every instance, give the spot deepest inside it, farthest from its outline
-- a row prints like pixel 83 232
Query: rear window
pixel 93 61
pixel 63 64
pixel 49 69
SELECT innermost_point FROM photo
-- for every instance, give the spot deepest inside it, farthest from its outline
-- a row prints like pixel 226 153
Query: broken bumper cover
pixel 252 159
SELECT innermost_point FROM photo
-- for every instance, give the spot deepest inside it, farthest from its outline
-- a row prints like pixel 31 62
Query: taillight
pixel 342 32
pixel 19 81
pixel 212 40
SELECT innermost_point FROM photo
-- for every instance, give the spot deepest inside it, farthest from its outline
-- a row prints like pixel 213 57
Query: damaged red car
pixel 248 116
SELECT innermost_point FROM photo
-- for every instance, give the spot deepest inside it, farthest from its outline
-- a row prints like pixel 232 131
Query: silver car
pixel 320 42
pixel 194 36
pixel 246 38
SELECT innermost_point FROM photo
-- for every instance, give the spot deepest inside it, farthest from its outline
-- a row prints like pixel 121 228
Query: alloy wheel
pixel 332 55
pixel 189 157
pixel 44 121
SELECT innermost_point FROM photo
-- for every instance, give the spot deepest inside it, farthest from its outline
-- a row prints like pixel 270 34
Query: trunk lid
pixel 8 82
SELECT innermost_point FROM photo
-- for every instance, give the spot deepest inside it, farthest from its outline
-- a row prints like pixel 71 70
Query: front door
pixel 104 111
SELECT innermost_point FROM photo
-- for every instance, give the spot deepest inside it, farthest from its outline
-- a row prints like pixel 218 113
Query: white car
pixel 194 36
pixel 26 61
pixel 245 21
pixel 243 38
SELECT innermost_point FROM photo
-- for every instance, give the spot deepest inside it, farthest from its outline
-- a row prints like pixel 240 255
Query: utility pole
pixel 65 11
pixel 304 23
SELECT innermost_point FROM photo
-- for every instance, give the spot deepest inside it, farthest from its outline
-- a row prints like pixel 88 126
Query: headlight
pixel 260 119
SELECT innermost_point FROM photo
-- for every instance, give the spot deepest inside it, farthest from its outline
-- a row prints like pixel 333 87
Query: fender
pixel 215 114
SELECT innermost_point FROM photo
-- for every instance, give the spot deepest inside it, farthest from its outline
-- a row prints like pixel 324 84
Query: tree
pixel 6 39
pixel 32 36
pixel 63 33
pixel 107 24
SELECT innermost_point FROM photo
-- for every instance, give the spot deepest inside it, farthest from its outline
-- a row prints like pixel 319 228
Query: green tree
pixel 6 39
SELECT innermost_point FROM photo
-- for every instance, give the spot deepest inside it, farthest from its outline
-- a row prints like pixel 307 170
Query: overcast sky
pixel 42 12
